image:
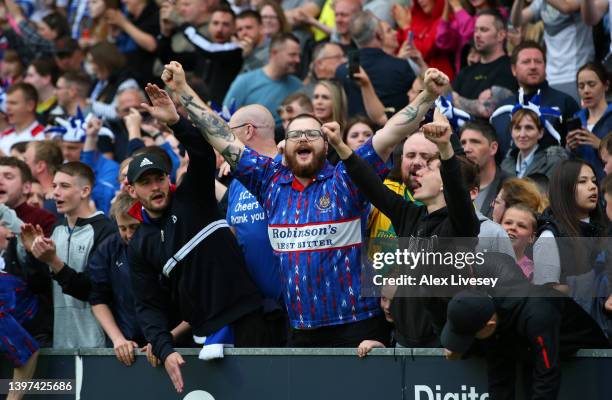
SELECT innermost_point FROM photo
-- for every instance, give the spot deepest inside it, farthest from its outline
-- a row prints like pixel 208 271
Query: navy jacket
pixel 111 284
pixel 549 97
pixel 601 129
pixel 391 77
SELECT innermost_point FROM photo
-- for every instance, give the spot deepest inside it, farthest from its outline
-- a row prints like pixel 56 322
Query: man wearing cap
pixel 537 328
pixel 184 252
pixel 68 54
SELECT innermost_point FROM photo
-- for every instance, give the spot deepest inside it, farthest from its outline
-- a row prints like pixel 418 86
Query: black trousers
pixel 259 329
pixel 345 335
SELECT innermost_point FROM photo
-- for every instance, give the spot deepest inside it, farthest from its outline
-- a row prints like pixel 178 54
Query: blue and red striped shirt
pixel 317 231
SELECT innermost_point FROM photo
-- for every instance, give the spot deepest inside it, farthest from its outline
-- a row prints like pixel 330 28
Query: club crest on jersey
pixel 324 203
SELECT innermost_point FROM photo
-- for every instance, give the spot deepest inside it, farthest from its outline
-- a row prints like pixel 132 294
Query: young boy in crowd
pixel 520 222
pixel 67 253
pixel 111 298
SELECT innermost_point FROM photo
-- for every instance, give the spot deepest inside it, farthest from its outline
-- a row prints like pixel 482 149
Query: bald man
pixel 254 126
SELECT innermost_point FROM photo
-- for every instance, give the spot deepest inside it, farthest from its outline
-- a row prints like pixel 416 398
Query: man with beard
pixel 480 87
pixel 269 85
pixel 316 214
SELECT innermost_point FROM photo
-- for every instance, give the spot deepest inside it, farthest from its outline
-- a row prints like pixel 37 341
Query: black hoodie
pixel 458 219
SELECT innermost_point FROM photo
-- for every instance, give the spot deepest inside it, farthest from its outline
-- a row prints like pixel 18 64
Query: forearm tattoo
pixel 232 155
pixel 410 113
pixel 206 120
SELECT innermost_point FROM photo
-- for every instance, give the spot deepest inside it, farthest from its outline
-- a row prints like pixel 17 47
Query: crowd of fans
pixel 203 172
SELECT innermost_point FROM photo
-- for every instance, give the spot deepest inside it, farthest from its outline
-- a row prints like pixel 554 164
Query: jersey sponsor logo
pixel 315 236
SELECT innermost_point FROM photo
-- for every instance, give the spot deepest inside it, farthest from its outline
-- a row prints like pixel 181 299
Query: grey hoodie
pixel 74 324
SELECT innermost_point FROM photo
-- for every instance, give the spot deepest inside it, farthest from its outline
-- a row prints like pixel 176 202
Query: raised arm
pixel 407 121
pixel 214 129
pixel 461 212
pixel 520 15
pixel 592 11
pixel 373 106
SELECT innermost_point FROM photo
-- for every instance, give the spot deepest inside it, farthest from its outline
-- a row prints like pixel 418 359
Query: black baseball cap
pixel 467 313
pixel 143 163
pixel 65 47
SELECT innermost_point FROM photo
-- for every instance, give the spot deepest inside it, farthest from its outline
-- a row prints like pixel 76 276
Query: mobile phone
pixel 573 123
pixel 353 64
pixel 410 38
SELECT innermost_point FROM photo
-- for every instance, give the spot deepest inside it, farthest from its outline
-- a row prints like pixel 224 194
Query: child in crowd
pixel 520 222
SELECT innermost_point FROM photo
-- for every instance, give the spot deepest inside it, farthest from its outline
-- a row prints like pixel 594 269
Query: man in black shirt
pixel 216 60
pixel 390 76
pixel 491 72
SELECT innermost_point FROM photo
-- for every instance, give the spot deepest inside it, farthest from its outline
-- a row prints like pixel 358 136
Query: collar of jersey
pixel 325 173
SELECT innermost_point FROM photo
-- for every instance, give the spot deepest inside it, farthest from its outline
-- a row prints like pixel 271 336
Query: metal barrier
pixel 301 374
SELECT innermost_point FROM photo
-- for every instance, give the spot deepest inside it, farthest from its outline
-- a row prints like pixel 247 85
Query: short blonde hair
pixel 122 205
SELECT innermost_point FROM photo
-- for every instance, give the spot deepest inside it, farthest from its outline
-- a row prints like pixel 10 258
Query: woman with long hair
pixel 566 254
pixel 273 18
pixel 529 155
pixel 595 115
pixel 329 102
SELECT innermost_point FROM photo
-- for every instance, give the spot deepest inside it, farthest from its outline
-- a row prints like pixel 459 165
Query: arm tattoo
pixel 469 106
pixel 486 107
pixel 498 94
pixel 232 155
pixel 206 120
pixel 411 114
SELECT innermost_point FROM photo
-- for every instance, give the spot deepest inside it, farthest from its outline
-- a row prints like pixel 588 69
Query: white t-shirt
pixel 9 137
pixel 569 42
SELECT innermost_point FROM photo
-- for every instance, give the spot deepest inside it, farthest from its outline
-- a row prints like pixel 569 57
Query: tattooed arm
pixel 407 121
pixel 214 129
pixel 488 101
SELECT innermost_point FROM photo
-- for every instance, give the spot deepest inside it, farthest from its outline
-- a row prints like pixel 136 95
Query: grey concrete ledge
pixel 391 352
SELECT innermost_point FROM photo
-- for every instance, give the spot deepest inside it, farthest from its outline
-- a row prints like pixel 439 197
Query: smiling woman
pixel 529 156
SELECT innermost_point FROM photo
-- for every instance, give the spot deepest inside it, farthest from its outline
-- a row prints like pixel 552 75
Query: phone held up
pixel 573 124
pixel 353 64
